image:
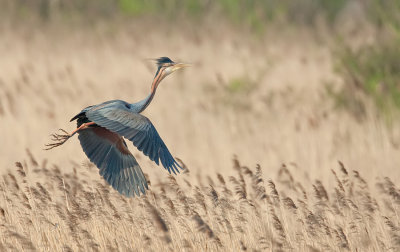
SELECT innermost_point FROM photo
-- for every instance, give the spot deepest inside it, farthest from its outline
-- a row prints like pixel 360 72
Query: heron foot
pixel 58 139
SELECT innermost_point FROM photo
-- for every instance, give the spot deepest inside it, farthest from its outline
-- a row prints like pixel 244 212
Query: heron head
pixel 168 66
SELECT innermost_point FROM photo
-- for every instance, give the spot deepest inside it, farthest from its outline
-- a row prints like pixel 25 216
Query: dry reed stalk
pixel 183 165
pixel 20 169
pixel 221 179
pixel 24 241
pixel 43 191
pixel 277 224
pixel 344 243
pixel 183 199
pixel 205 228
pixel 159 221
pixel 106 198
pixel 289 204
pixel 258 184
pixel 200 198
pixel 227 223
pixel 210 181
pixel 263 243
pixel 392 191
pixel 25 200
pixel 32 158
pixel 110 246
pixel 240 190
pixel 247 171
pixel 38 195
pixel 79 211
pixel 147 240
pixel 63 186
pixel 187 245
pixel 5 180
pixel 339 183
pixel 14 181
pixel 274 193
pixel 362 183
pixel 342 168
pixel 340 198
pixel 187 183
pixel 226 191
pixel 241 179
pixel 171 206
pixel 322 191
pixel 2 212
pixel 213 196
pixel 67 248
pixel 90 199
pixel 285 177
pixel 90 241
pixel 394 232
pixel 236 164
pixel 243 247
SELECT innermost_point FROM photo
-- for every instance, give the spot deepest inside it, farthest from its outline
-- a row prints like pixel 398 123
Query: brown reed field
pixel 270 163
pixel 75 211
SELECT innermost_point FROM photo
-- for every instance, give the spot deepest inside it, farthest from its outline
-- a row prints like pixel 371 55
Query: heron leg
pixel 59 139
pixel 83 126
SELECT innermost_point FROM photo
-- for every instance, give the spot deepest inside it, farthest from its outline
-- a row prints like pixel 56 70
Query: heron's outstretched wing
pixel 118 118
pixel 108 151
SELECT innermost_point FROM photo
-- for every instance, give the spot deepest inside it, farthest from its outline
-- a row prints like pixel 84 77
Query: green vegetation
pixel 240 85
pixel 252 13
pixel 373 69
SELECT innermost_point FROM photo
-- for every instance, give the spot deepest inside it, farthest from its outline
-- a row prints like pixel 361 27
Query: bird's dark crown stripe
pixel 163 60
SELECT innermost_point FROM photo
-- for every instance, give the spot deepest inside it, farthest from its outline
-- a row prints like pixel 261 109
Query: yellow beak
pixel 179 66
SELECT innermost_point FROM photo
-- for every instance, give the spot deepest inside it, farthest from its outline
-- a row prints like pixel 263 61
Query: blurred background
pixel 300 82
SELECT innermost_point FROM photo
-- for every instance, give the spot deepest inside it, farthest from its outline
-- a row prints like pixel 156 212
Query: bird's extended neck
pixel 142 105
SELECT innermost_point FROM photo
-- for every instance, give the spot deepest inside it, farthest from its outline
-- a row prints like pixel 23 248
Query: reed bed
pixel 44 208
pixel 267 102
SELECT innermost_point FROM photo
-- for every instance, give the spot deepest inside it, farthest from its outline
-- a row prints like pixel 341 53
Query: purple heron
pixel 102 129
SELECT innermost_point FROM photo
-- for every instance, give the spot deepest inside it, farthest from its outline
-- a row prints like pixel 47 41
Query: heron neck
pixel 142 105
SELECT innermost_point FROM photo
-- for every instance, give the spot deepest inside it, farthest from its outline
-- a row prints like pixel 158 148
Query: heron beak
pixel 179 66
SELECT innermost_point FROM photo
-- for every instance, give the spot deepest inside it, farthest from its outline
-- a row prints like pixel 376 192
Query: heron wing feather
pixel 118 118
pixel 117 165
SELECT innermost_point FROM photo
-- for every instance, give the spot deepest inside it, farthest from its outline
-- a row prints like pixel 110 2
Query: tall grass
pixel 44 208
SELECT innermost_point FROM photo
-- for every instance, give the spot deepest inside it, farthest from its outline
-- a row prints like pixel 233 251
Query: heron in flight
pixel 101 131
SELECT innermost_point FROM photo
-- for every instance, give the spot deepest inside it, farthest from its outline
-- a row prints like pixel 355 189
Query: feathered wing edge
pixel 117 165
pixel 138 129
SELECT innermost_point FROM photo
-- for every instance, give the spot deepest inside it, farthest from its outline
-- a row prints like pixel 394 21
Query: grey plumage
pixel 103 127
